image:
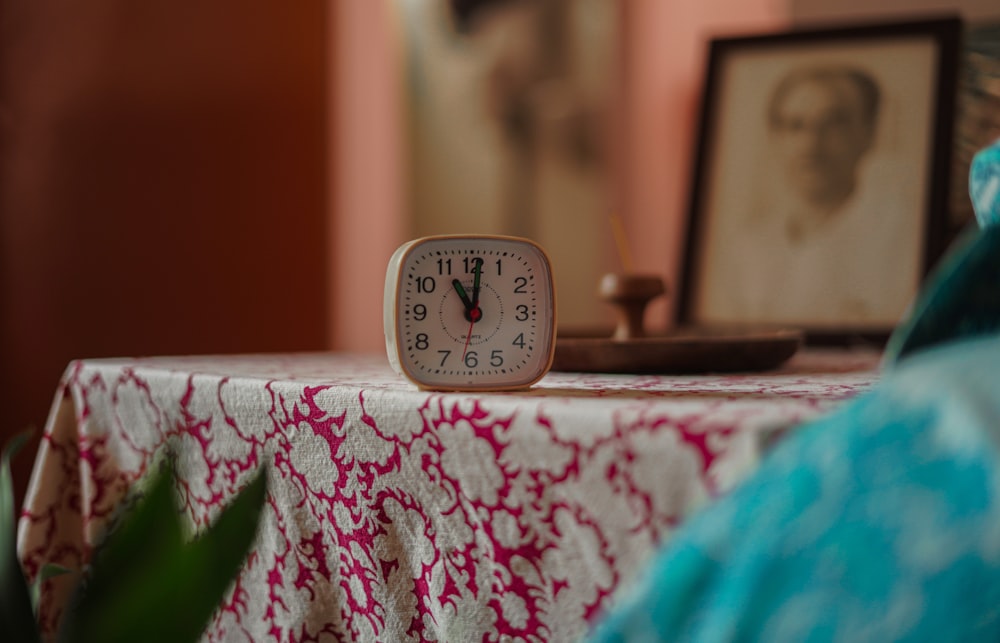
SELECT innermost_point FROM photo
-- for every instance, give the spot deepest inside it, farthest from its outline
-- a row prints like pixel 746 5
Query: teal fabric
pixel 880 522
pixel 984 185
pixel 961 298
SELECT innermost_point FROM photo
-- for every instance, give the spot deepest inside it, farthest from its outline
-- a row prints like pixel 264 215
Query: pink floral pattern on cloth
pixel 395 514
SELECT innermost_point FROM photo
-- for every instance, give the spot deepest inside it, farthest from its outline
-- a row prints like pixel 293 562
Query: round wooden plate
pixel 682 351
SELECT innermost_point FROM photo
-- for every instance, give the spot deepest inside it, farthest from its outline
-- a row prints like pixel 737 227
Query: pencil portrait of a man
pixel 817 191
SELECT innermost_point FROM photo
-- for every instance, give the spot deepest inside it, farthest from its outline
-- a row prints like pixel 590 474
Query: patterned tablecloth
pixel 397 515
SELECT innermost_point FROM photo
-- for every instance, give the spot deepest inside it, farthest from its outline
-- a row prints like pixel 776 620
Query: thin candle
pixel 622 242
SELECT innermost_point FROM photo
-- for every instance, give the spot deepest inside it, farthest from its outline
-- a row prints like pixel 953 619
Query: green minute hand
pixel 462 295
pixel 478 271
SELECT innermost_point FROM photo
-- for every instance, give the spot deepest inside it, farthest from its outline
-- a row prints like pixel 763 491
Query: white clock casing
pixel 470 312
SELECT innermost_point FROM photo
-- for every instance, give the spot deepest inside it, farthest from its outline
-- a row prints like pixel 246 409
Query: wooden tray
pixel 695 350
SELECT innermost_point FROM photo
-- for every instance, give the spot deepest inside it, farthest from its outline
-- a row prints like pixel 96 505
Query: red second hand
pixel 474 315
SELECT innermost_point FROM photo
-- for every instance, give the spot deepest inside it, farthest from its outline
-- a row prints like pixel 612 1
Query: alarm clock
pixel 470 312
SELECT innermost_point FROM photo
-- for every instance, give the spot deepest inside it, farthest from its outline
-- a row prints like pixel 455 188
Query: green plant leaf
pixel 17 618
pixel 147 584
pixel 48 570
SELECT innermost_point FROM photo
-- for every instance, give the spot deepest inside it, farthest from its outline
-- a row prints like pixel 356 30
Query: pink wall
pixel 664 43
pixel 367 190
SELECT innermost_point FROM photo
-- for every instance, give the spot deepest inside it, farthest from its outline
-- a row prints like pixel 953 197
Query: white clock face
pixel 470 312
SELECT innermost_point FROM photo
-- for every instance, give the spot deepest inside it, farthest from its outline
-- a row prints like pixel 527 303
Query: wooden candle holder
pixel 630 294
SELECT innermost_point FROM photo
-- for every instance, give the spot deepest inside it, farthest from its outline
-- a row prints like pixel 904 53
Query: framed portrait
pixel 821 179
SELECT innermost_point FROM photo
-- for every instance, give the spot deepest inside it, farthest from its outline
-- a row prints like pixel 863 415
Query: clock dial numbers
pixel 461 314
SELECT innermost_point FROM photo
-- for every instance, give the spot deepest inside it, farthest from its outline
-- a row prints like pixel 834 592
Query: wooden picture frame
pixel 821 179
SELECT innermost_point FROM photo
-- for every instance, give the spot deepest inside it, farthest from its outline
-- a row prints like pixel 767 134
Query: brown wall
pixel 162 187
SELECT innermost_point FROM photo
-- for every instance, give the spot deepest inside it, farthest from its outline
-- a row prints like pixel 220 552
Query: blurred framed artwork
pixel 507 108
pixel 821 177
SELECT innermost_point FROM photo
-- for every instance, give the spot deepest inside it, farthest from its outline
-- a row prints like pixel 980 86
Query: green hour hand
pixel 462 294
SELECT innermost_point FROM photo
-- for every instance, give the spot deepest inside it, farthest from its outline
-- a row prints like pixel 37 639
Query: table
pixel 395 514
